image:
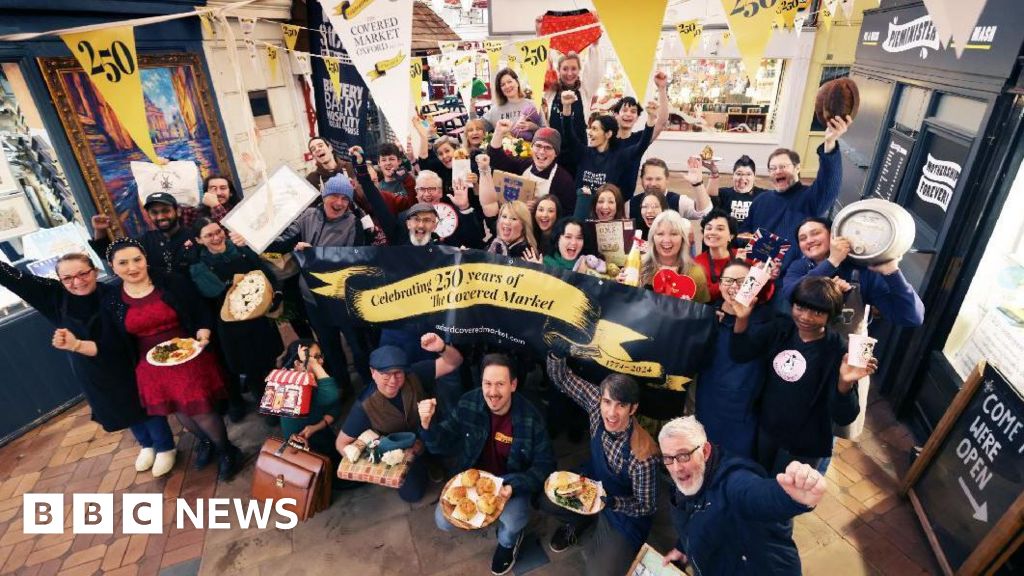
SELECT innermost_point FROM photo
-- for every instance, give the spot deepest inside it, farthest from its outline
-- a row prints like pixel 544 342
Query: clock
pixel 447 220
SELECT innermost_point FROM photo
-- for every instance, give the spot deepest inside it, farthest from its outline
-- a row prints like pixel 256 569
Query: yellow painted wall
pixel 836 47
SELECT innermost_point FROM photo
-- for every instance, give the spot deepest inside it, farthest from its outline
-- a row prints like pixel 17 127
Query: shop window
pixel 828 73
pixel 961 112
pixel 912 108
pixel 990 323
pixel 709 94
pixel 39 218
pixel 261 112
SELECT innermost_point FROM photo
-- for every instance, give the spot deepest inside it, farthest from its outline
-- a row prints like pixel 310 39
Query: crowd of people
pixel 744 455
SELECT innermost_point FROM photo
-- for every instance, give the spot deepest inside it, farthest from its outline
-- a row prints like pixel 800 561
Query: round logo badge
pixel 790 365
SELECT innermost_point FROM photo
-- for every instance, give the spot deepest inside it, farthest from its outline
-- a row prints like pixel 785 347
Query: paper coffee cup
pixel 861 350
pixel 752 284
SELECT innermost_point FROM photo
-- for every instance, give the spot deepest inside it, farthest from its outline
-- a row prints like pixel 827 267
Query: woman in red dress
pixel 151 308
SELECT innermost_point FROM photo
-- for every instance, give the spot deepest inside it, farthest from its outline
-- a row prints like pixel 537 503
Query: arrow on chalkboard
pixel 980 512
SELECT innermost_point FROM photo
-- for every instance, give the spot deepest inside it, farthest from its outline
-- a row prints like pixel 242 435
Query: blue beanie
pixel 338 184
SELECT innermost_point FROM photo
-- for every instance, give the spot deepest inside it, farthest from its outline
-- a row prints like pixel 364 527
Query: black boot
pixel 204 453
pixel 229 463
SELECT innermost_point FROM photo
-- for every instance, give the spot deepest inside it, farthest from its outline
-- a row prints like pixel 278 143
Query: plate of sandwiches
pixel 471 500
pixel 574 492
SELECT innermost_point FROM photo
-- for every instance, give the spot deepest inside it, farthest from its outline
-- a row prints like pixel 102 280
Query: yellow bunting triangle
pixel 272 60
pixel 634 29
pixel 207 19
pixel 494 48
pixel 785 13
pixel 334 71
pixel 752 27
pixel 416 82
pixel 533 60
pixel 109 58
pixel 689 33
pixel 827 14
pixel 726 38
pixel 291 35
pixel 447 46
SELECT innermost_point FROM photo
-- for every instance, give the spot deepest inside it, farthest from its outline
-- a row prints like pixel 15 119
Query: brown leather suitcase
pixel 291 470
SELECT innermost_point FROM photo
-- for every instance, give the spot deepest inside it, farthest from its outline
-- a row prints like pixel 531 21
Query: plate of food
pixel 472 500
pixel 174 351
pixel 575 492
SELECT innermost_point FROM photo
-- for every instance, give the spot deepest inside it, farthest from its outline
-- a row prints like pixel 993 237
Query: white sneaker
pixel 164 462
pixel 145 460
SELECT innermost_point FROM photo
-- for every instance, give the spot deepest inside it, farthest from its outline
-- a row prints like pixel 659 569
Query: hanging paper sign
pixel 447 46
pixel 272 60
pixel 494 48
pixel 533 58
pixel 634 29
pixel 291 35
pixel 334 71
pixel 179 179
pixel 751 22
pixel 785 13
pixel 248 25
pixel 342 103
pixel 378 38
pixel 416 82
pixel 827 13
pixel 108 56
pixel 689 33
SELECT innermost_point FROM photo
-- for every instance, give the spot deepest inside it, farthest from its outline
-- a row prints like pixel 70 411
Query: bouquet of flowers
pixel 513 147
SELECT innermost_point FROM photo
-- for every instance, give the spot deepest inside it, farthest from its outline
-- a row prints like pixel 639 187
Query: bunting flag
pixel 416 82
pixel 785 13
pixel 847 6
pixel 272 60
pixel 634 29
pixel 532 56
pixel 334 71
pixel 512 61
pixel 827 13
pixel 752 27
pixel 247 25
pixel 447 46
pixel 494 48
pixel 968 12
pixel 378 38
pixel 798 23
pixel 942 15
pixel 207 19
pixel 108 56
pixel 464 69
pixel 250 45
pixel 689 33
pixel 291 35
pixel 726 38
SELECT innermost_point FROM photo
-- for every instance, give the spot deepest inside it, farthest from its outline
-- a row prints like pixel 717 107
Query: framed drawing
pixel 16 217
pixel 182 122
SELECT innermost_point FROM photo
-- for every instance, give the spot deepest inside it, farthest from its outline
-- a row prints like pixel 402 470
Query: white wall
pixel 285 142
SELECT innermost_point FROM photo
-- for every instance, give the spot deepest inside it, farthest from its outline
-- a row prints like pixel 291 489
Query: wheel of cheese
pixel 839 97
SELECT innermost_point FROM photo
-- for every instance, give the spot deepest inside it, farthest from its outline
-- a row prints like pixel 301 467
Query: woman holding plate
pixel 151 308
pixel 99 358
pixel 249 345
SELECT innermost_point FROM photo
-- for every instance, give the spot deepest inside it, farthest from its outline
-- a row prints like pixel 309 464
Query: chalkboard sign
pixel 894 163
pixel 967 485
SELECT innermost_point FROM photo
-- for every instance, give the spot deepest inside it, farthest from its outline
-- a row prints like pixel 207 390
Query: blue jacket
pixel 782 212
pixel 464 433
pixel 736 523
pixel 891 294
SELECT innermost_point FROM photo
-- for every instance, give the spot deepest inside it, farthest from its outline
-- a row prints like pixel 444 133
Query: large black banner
pixel 472 295
pixel 341 118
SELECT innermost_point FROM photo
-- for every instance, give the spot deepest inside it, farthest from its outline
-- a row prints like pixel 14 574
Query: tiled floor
pixel 861 526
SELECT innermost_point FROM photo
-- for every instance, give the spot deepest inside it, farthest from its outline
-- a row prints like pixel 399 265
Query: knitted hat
pixel 551 136
pixel 338 184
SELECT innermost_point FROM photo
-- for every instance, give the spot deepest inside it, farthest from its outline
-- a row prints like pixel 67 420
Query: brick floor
pixel 860 527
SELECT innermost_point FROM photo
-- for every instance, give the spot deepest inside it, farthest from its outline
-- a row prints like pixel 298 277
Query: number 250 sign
pixel 534 56
pixel 116 60
pixel 750 8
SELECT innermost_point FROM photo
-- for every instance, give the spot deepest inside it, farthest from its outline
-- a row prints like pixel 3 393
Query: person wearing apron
pixel 542 167
pixel 882 286
pixel 623 458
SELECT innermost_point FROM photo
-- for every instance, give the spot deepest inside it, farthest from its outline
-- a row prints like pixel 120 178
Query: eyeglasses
pixel 82 276
pixel 392 375
pixel 682 457
pixel 729 281
pixel 427 188
pixel 780 167
pixel 542 146
pixel 427 220
pixel 215 234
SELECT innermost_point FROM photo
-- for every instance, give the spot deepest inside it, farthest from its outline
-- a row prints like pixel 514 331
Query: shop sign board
pixel 341 114
pixel 894 164
pixel 966 484
pixel 937 179
pixel 907 35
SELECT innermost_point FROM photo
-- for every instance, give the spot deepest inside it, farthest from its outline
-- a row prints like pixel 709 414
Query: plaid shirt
pixel 616 444
pixel 189 214
pixel 464 433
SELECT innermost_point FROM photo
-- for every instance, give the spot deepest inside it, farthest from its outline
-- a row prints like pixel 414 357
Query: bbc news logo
pixel 144 513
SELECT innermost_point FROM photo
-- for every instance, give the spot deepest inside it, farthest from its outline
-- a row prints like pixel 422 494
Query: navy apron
pixel 620 485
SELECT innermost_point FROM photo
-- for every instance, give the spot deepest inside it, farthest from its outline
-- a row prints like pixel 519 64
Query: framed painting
pixel 182 123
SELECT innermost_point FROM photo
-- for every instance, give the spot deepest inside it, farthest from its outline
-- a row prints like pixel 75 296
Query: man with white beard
pixel 729 518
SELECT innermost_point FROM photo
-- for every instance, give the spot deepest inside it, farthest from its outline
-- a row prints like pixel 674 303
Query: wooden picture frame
pixel 1005 535
pixel 182 120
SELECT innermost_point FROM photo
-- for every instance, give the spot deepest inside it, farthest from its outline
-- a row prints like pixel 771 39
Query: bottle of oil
pixel 632 268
